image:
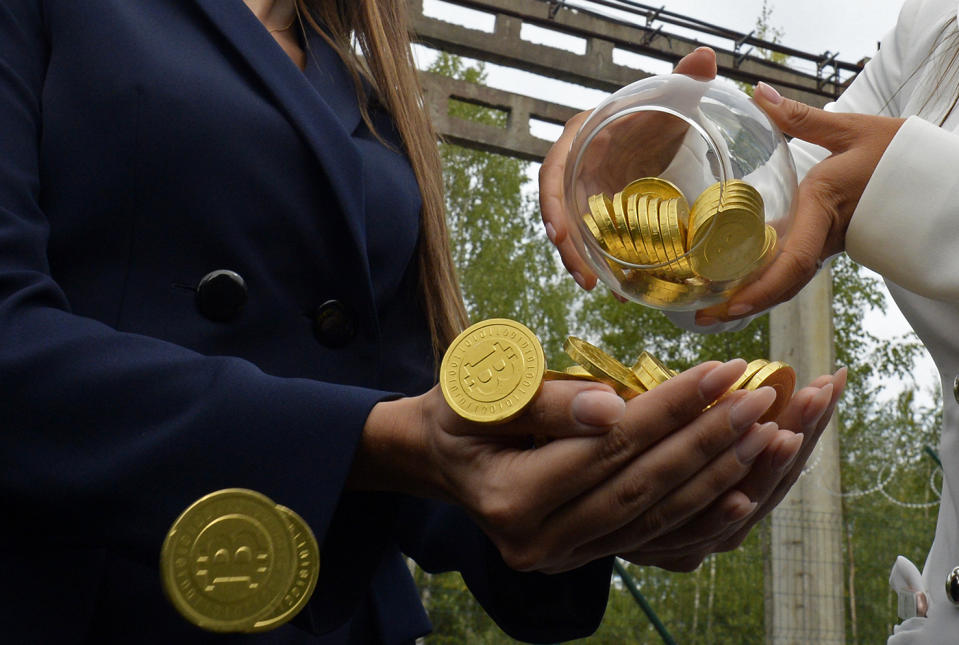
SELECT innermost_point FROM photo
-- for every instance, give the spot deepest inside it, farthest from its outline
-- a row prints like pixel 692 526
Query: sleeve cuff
pixel 905 225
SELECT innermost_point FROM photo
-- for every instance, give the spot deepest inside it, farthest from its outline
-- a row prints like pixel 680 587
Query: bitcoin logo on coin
pixel 492 371
pixel 229 560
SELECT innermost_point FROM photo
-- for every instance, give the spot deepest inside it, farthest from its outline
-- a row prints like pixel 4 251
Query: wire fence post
pixel 641 601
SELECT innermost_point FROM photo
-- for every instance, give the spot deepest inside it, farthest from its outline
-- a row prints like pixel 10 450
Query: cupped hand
pixel 728 521
pixel 826 200
pixel 658 135
pixel 602 486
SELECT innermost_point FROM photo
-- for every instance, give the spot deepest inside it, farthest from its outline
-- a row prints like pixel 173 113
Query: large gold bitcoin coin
pixel 228 560
pixel 492 371
pixel 307 553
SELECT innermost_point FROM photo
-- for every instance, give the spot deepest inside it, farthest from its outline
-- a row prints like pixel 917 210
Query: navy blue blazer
pixel 143 145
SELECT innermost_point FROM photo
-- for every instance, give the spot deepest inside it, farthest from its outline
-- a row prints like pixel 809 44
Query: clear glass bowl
pixel 679 191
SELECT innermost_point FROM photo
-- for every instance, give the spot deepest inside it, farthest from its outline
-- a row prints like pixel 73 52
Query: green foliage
pixel 508 269
pixel 505 262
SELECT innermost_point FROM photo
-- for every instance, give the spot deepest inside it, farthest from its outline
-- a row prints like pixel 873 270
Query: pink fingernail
pixel 816 408
pixel 721 378
pixel 740 309
pixel 768 93
pixel 706 321
pixel 551 232
pixel 780 461
pixel 579 279
pixel 597 408
pixel 740 511
pixel 754 442
pixel 749 408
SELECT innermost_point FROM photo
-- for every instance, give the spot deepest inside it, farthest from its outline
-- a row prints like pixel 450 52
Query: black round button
pixel 221 295
pixel 334 325
pixel 952 586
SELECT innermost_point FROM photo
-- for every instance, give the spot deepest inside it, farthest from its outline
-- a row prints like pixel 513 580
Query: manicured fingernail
pixel 749 408
pixel 785 458
pixel 768 93
pixel 754 442
pixel 740 511
pixel 739 309
pixel 721 378
pixel 580 280
pixel 706 321
pixel 551 232
pixel 816 408
pixel 597 408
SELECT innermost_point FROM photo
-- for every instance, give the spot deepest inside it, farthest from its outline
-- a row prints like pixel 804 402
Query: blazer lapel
pixel 321 127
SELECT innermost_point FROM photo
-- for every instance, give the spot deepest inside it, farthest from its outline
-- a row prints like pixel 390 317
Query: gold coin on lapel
pixel 228 560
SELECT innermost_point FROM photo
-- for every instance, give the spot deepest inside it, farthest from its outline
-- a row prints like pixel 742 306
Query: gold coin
pixel 575 373
pixel 652 235
pixel 594 229
pixel 655 187
pixel 650 371
pixel 733 194
pixel 228 560
pixel 601 208
pixel 604 367
pixel 635 232
pixel 770 245
pixel 779 376
pixel 619 219
pixel 751 368
pixel 673 215
pixel 307 553
pixel 492 371
pixel 730 247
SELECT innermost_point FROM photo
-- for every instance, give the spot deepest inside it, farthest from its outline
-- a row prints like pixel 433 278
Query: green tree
pixel 504 260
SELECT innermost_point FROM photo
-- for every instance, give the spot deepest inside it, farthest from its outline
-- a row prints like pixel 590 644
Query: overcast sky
pixel 850 27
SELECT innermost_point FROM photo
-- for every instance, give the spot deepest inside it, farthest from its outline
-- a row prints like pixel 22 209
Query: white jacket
pixel 906 228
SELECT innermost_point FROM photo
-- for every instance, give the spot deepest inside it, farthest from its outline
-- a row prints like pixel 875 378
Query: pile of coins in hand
pixel 495 368
pixel 234 561
pixel 687 251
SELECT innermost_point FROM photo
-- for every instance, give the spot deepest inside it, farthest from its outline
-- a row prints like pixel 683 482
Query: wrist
pixel 392 454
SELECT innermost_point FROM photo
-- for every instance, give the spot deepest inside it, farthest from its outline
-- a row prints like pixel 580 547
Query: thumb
pixel 701 62
pixel 800 120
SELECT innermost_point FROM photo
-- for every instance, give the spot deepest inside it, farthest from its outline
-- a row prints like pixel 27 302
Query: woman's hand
pixel 827 197
pixel 728 521
pixel 658 134
pixel 616 476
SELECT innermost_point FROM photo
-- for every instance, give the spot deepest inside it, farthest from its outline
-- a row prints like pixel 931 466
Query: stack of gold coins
pixel 234 561
pixel 683 252
pixel 493 371
pixel 649 372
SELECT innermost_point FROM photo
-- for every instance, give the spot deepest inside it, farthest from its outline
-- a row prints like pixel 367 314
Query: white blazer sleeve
pixel 905 225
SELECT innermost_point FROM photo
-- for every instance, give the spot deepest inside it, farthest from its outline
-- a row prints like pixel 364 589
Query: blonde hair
pixel 381 29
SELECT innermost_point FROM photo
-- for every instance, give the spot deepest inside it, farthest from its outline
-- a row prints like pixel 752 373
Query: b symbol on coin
pixel 232 556
pixel 492 370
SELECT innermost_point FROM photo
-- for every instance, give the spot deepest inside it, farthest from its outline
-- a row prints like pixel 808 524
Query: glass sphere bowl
pixel 679 191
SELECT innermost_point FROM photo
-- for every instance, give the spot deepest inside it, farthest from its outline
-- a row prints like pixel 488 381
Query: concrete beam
pixel 514 140
pixel 595 68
